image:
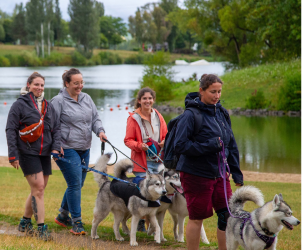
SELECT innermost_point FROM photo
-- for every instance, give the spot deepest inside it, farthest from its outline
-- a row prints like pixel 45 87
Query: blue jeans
pixel 74 177
pixel 152 167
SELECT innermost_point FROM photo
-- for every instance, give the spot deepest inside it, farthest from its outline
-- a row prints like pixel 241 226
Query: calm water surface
pixel 266 144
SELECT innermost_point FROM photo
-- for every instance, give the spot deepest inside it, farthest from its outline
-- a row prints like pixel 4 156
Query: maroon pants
pixel 204 194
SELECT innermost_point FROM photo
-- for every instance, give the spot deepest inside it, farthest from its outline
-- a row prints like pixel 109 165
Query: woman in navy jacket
pixel 198 164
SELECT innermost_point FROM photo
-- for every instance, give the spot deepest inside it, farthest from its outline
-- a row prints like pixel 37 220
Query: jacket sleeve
pixel 97 125
pixel 56 130
pixel 233 161
pixel 130 139
pixel 183 143
pixel 12 130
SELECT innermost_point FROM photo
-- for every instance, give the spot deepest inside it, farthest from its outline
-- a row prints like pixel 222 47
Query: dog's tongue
pixel 177 188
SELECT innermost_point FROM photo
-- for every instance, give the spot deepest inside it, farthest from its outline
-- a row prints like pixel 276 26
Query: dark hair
pixel 140 95
pixel 68 73
pixel 32 77
pixel 208 79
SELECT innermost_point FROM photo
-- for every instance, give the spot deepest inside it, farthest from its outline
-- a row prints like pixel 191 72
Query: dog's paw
pixel 180 240
pixel 95 237
pixel 120 239
pixel 134 244
pixel 163 239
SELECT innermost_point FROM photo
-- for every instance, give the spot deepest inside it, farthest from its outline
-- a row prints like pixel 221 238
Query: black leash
pixel 102 152
pixel 114 148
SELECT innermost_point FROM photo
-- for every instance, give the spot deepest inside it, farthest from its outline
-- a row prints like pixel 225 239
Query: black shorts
pixel 33 164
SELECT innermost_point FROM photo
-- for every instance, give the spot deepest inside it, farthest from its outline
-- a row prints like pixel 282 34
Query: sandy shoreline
pixel 248 175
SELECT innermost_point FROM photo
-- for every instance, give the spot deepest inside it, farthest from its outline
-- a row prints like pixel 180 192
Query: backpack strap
pixel 226 115
pixel 198 118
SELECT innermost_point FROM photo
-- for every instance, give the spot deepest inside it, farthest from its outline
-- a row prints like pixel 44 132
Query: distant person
pixel 78 117
pixel 33 132
pixel 145 123
pixel 198 162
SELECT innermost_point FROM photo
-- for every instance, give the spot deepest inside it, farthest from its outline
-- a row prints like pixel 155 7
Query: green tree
pixel 57 25
pixel 84 25
pixel 19 24
pixel 113 28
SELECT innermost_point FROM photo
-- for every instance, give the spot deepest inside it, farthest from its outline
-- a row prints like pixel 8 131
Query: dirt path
pixel 248 175
pixel 85 242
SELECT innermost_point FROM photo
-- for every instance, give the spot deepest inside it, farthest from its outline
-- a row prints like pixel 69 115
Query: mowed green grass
pixel 17 49
pixel 14 190
pixel 240 84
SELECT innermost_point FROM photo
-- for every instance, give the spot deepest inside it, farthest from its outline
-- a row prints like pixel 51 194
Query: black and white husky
pixel 259 229
pixel 150 190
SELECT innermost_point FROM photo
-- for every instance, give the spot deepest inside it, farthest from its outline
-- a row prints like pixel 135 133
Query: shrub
pixel 96 60
pixel 256 101
pixel 28 58
pixel 290 93
pixel 109 58
pixel 161 85
pixel 14 60
pixel 78 59
pixel 139 58
pixel 4 62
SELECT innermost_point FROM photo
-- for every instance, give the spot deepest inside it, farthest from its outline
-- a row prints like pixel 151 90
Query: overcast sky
pixel 116 8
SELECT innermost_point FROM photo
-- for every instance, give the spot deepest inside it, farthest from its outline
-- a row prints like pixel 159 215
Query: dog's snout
pixel 298 222
pixel 164 192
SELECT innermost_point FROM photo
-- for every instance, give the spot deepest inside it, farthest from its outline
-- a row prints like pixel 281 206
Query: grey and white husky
pixel 151 188
pixel 177 209
pixel 260 228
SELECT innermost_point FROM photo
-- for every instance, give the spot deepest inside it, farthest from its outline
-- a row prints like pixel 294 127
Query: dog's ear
pixel 148 175
pixel 281 197
pixel 276 201
pixel 162 172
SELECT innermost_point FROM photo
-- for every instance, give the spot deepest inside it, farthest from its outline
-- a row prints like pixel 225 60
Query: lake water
pixel 266 144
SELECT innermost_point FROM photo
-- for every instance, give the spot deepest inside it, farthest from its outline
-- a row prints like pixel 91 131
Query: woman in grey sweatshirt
pixel 78 118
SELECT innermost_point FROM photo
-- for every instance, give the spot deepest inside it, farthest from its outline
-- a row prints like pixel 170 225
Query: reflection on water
pixel 266 144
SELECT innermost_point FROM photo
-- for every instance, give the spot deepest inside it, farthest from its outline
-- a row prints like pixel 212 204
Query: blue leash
pixel 94 170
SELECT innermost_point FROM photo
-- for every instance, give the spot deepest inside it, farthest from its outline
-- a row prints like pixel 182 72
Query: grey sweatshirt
pixel 78 119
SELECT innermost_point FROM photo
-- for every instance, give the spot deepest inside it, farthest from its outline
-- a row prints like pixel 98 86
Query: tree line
pixel 242 32
pixel 40 22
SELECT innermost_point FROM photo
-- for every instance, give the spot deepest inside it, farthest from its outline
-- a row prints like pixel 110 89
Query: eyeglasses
pixel 79 83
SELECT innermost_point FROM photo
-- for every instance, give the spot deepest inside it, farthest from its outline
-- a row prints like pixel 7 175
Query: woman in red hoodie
pixel 145 123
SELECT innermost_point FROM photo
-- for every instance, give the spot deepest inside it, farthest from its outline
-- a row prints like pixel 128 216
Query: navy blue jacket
pixel 198 152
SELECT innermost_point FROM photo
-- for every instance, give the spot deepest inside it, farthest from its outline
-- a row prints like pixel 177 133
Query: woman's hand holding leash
pixel 161 144
pixel 144 147
pixel 57 152
pixel 103 137
pixel 15 164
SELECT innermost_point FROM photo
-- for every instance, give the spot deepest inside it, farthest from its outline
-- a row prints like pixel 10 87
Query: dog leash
pixel 126 156
pixel 93 170
pixel 102 152
pixel 155 154
pixel 245 216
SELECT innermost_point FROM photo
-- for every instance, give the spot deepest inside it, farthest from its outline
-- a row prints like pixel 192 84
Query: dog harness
pixel 125 191
pixel 267 240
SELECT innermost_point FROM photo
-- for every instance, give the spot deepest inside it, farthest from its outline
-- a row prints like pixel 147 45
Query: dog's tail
pixel 101 165
pixel 244 194
pixel 121 167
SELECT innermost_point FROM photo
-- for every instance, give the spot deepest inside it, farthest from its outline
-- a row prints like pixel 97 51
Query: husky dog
pixel 151 189
pixel 177 208
pixel 259 229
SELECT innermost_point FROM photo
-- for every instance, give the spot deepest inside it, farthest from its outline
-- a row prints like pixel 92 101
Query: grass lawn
pixel 15 190
pixel 17 49
pixel 240 84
